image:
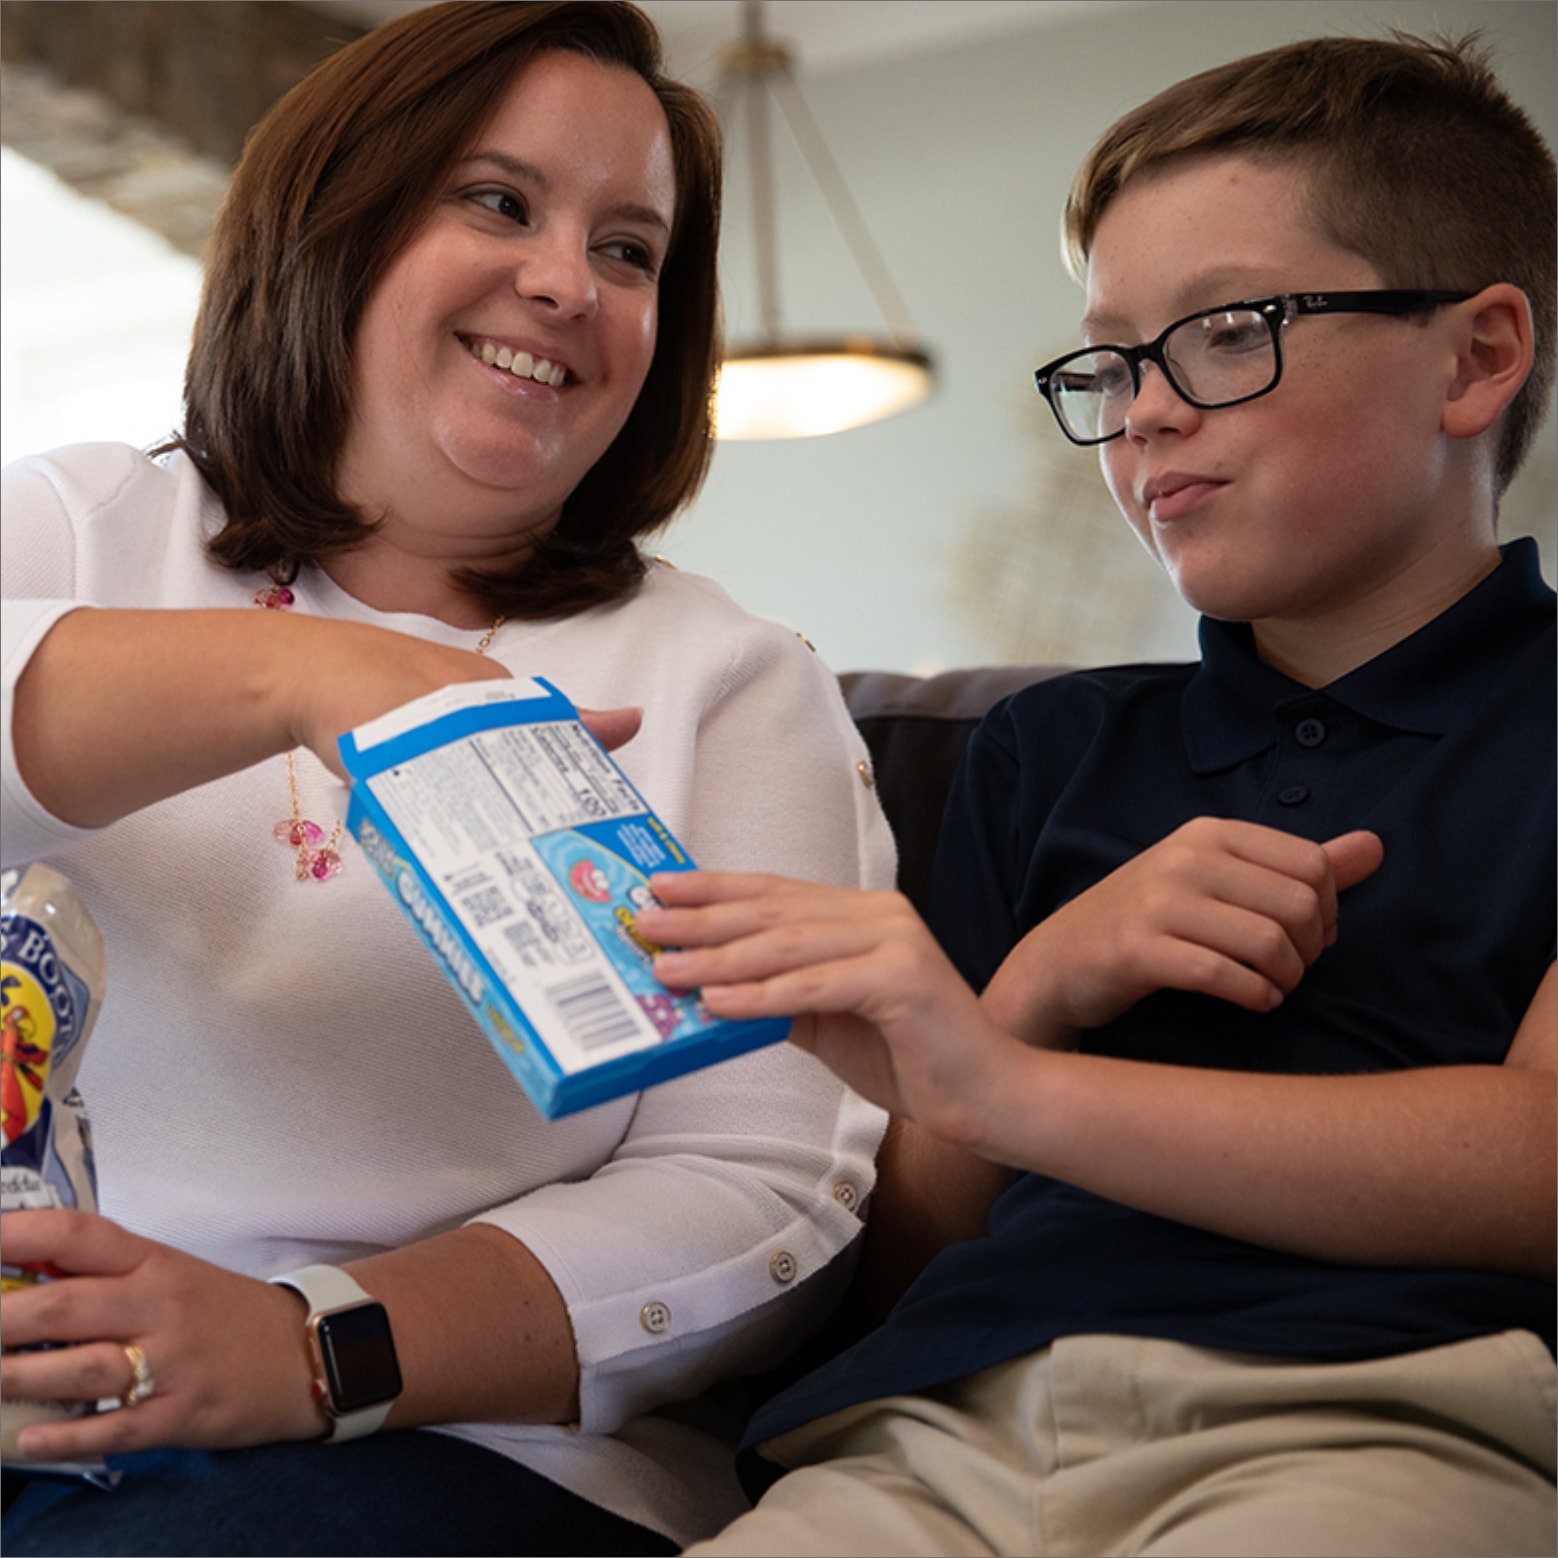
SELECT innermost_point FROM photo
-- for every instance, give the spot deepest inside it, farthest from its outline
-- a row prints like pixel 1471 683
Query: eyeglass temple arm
pixel 1397 301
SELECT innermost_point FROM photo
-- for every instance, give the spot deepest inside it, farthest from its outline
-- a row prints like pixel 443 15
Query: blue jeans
pixel 407 1492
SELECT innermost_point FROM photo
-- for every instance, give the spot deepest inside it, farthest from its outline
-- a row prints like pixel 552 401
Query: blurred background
pixel 960 532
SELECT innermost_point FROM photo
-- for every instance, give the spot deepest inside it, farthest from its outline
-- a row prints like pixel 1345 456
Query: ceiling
pixel 823 35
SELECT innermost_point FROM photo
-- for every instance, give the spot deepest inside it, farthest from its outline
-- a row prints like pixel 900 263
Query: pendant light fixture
pixel 784 387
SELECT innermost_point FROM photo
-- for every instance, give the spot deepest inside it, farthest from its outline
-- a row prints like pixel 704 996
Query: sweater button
pixel 655 1317
pixel 846 1195
pixel 782 1267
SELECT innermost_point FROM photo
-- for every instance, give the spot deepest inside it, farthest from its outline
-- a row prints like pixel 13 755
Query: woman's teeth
pixel 521 364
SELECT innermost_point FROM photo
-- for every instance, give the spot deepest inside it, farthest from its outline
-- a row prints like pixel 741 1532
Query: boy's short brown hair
pixel 333 184
pixel 1415 156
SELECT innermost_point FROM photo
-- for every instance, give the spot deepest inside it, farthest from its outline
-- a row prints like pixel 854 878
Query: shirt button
pixel 655 1317
pixel 1310 732
pixel 781 1266
pixel 846 1195
pixel 1293 795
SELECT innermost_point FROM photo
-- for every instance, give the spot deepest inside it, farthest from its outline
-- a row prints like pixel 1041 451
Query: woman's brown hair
pixel 1414 156
pixel 333 183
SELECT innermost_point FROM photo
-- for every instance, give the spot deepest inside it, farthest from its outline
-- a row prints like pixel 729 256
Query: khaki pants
pixel 1104 1444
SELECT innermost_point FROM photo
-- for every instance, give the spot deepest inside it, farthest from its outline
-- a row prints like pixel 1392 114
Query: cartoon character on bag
pixel 24 1061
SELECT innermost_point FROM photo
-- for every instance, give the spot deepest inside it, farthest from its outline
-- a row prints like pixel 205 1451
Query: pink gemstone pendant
pixel 296 834
pixel 277 598
pixel 324 864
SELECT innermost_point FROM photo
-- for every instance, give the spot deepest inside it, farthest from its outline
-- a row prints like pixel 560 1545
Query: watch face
pixel 359 1358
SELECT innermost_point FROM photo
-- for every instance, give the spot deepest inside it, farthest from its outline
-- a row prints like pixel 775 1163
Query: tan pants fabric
pixel 1107 1445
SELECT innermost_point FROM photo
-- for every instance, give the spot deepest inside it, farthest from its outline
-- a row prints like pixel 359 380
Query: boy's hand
pixel 1223 908
pixel 874 997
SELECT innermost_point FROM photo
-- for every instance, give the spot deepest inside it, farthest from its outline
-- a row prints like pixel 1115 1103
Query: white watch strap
pixel 323 1289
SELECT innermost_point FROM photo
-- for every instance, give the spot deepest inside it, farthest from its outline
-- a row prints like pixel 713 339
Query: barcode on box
pixel 592 1012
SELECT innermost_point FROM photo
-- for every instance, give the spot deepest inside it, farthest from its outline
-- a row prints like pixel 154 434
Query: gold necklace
pixel 316 857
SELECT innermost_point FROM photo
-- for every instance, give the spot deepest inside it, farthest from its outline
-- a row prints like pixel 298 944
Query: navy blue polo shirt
pixel 1444 746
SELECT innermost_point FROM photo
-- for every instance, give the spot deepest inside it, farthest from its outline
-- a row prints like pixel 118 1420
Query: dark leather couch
pixel 916 728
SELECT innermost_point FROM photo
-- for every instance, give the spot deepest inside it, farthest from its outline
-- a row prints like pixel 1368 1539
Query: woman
pixel 454 357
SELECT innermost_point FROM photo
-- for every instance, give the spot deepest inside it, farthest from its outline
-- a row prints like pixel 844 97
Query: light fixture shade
pixel 802 389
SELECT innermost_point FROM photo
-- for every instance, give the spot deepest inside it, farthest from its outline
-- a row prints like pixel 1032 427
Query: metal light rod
pixel 778 389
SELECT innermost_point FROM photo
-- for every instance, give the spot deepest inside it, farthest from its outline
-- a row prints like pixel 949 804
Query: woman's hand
pixel 331 677
pixel 874 997
pixel 363 672
pixel 1222 908
pixel 360 672
pixel 227 1354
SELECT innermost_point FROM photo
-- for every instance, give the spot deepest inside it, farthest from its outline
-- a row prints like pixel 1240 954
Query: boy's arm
pixel 1437 1166
pixel 1143 928
pixel 1440 1166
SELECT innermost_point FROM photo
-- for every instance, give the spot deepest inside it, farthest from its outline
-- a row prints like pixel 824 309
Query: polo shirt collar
pixel 1426 683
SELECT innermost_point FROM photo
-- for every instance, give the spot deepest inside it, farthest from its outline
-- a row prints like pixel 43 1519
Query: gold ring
pixel 142 1384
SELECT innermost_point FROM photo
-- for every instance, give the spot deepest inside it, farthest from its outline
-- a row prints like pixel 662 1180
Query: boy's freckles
pixel 1333 500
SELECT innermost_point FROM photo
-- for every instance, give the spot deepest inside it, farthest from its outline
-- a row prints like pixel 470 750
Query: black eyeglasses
pixel 1218 357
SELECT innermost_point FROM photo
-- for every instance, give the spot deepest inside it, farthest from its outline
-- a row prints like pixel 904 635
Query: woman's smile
pixel 517 362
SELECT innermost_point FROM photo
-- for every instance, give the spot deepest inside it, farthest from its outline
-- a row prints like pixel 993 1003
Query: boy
pixel 1260 1083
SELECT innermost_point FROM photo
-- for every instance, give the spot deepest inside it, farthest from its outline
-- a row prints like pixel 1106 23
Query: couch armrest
pixel 916 728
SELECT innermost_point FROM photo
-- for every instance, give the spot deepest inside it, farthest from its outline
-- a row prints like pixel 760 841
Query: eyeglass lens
pixel 1211 360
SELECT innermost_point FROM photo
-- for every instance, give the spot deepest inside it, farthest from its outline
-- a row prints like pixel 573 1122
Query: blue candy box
pixel 522 854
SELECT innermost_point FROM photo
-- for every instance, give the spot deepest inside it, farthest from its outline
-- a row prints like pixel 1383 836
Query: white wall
pixel 968 531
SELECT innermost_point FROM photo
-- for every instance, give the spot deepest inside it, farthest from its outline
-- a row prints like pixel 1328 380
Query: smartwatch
pixel 356 1372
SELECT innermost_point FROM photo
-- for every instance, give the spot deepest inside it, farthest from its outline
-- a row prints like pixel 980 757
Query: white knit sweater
pixel 281 1075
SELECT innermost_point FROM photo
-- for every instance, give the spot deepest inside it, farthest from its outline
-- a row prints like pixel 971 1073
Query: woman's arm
pixel 116 709
pixel 480 1330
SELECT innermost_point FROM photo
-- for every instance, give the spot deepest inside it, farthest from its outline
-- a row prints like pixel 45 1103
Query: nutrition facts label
pixel 502 787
